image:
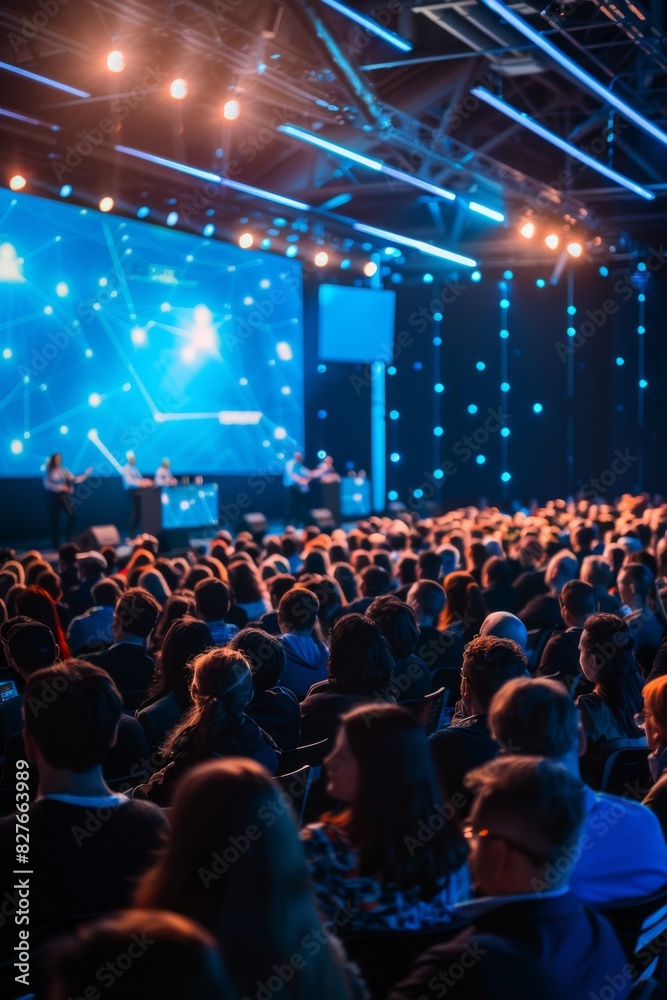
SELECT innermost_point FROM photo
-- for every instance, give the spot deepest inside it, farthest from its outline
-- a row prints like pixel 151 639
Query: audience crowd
pixel 243 766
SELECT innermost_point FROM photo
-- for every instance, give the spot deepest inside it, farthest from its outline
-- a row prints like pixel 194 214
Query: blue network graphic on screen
pixel 120 336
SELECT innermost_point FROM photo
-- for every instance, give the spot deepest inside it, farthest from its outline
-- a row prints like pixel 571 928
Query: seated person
pixel 537 716
pixel 277 586
pixel 529 935
pixel 216 725
pixel 127 662
pixel 27 646
pixel 636 588
pixel 373 582
pixel 655 727
pixel 504 625
pixel 597 571
pixel 175 956
pixel 274 708
pixel 560 658
pixel 543 610
pixel 465 609
pixel 212 601
pixel 371 858
pixel 498 592
pixel 608 712
pixel 488 663
pixel 87 845
pixel 169 696
pixel 396 620
pixel 305 657
pixel 359 670
pixel 92 631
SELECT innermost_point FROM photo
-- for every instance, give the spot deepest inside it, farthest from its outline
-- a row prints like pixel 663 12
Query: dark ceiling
pixel 301 62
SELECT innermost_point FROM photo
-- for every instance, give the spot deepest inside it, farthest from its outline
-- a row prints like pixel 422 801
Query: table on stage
pixel 174 508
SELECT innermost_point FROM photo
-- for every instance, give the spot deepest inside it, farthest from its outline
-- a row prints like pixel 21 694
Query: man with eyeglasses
pixel 528 936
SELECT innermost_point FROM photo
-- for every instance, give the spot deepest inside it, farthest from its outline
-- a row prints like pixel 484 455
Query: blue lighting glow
pixel 504 334
pixel 345 264
pixel 47 81
pixel 540 282
pixel 438 387
pixel 537 407
pixel 529 123
pixel 620 361
pixel 574 69
pixel 321 369
pixel 641 329
pixel 642 383
pixel 480 366
pixel 472 408
pixel 604 271
pixel 209 229
pixel 641 266
pixel 571 310
pixel 437 341
pixel 438 474
pixel 143 211
pixel 571 332
pixel 392 495
pixel 438 431
pixel 437 317
pixel 505 432
pixel 322 414
pixel 393 414
pixel 504 303
pixel 418 494
pixel 508 275
pixel 407 241
pixel 391 370
pixel 641 297
pixel 417 366
pixel 504 387
pixel 489 213
pixel 292 250
pixel 506 477
pixel 16 447
pixel 476 276
pixel 427 279
pixel 370 24
pixel 172 218
pixel 480 459
pixel 394 457
pixel 331 147
pixel 65 190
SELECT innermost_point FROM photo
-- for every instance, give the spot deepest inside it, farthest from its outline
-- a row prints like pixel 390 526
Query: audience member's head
pixel 465 603
pixel 427 598
pixel 429 565
pixel 37 604
pixel 504 625
pixel 537 716
pixel 135 616
pixel 496 572
pixel 561 568
pixel 524 826
pixel 212 599
pixel 106 593
pixel 264 653
pixel 397 622
pixel 163 955
pixel 297 611
pixel 29 646
pixel 635 582
pixel 155 584
pixel 345 577
pixel 360 659
pixel 374 581
pixel 577 602
pixel 488 663
pixel 71 714
pixel 655 712
pixel 187 637
pixel 607 660
pixel 596 571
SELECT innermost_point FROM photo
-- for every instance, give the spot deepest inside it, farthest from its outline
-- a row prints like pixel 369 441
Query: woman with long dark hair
pixel 235 865
pixel 394 854
pixel 398 624
pixel 34 602
pixel 59 485
pixel 248 590
pixel 465 609
pixel 176 606
pixel 608 661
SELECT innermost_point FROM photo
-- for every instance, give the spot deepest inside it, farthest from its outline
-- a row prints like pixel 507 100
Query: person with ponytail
pixel 215 726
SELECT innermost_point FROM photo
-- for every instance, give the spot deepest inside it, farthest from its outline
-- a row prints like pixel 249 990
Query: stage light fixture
pixel 172 218
pixel 575 249
pixel 321 258
pixel 527 230
pixel 116 61
pixel 45 80
pixel 231 110
pixel 370 268
pixel 420 245
pixel 106 204
pixel 291 251
pixel 489 213
pixel 552 241
pixel 178 89
pixel 246 240
pixel 65 190
pixel 17 182
pixel 370 24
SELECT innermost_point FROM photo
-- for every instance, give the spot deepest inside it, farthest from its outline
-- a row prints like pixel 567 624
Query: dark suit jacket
pixel 131 669
pixel 542 612
pixel 560 658
pixel 322 708
pixel 457 750
pixel 526 949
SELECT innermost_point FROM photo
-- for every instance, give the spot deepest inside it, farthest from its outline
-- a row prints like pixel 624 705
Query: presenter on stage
pixel 163 476
pixel 134 482
pixel 325 471
pixel 296 479
pixel 59 484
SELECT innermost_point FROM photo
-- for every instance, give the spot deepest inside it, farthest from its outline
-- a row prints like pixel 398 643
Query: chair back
pixel 428 709
pixel 626 772
pixel 641 927
pixel 296 785
pixel 311 753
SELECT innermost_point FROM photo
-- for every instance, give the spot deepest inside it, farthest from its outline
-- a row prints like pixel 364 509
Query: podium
pixel 172 512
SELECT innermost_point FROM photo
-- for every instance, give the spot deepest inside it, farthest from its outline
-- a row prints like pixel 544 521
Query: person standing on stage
pixel 59 484
pixel 134 482
pixel 296 479
pixel 163 476
pixel 325 471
